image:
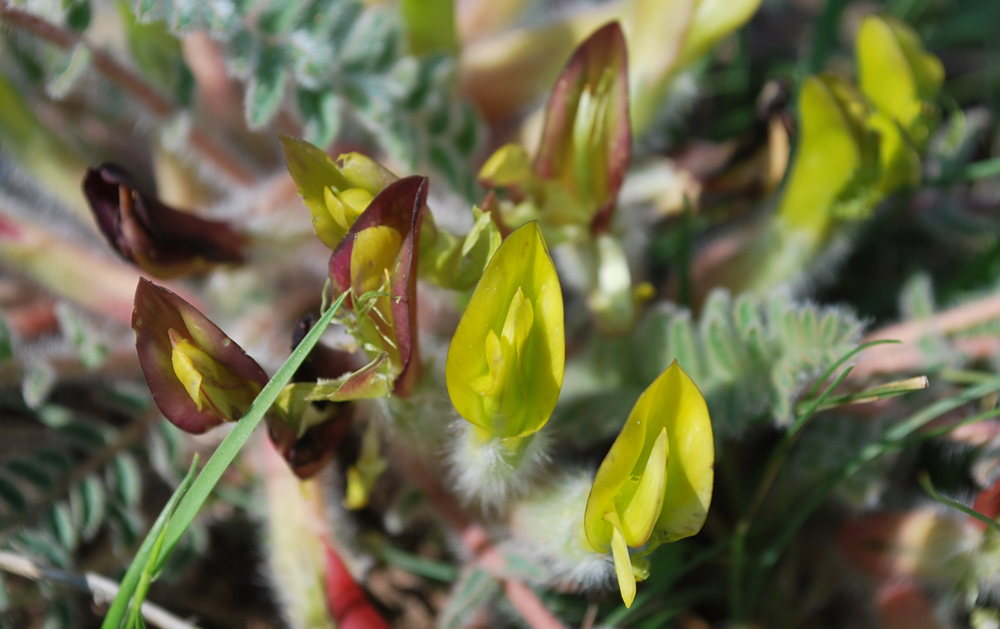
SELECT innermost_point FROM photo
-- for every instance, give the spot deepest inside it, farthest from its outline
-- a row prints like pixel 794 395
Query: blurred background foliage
pixel 807 176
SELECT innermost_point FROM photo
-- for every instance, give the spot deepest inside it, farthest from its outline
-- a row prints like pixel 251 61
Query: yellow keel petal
pixel 644 508
pixel 623 563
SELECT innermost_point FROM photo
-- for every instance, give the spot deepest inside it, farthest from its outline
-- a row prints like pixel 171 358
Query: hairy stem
pixel 476 541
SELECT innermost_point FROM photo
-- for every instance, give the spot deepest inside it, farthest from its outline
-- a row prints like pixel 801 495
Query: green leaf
pixel 78 14
pixel 266 87
pixel 127 523
pixel 415 564
pixel 39 380
pixel 6 342
pixel 321 112
pixel 683 344
pixel 56 460
pixel 67 71
pixel 4 599
pixel 38 544
pixel 60 523
pixel 31 472
pixel 925 482
pixel 158 54
pixel 127 588
pixel 90 348
pixel 126 479
pixel 84 434
pixel 89 506
pixel 474 589
pixel 10 494
pixel 59 615
pixel 916 300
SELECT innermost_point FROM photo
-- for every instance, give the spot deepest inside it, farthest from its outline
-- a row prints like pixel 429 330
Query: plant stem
pixel 907 356
pixel 100 588
pixel 161 106
pixel 477 542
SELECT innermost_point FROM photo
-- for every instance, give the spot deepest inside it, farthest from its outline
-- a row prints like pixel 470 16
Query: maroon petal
pixel 157 238
pixel 603 50
pixel 157 311
pixel 399 206
pixel 306 455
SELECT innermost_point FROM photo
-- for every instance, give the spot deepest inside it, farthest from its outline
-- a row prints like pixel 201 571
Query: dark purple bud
pixel 159 239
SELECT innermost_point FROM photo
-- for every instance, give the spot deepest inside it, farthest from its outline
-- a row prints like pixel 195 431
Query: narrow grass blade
pixel 925 482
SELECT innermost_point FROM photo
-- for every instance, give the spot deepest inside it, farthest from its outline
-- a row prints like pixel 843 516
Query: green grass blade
pixel 119 607
pixel 177 516
pixel 843 359
pixel 925 482
pixel 894 437
pixel 233 442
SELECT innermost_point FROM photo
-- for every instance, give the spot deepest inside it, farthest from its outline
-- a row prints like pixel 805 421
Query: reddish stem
pixel 477 542
pixel 132 84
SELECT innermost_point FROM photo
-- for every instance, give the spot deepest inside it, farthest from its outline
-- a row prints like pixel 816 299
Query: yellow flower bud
pixel 655 484
pixel 506 360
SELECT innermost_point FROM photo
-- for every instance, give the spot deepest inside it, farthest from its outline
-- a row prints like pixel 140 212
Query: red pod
pixel 157 238
pixel 198 376
pixel 349 606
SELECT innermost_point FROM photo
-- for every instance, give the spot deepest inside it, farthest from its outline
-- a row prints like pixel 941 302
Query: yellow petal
pixel 884 74
pixel 691 468
pixel 827 157
pixel 208 382
pixel 186 372
pixel 336 211
pixel 672 403
pixel 613 474
pixel 375 251
pixel 509 166
pixel 361 171
pixel 355 201
pixel 520 318
pixel 623 563
pixel 643 509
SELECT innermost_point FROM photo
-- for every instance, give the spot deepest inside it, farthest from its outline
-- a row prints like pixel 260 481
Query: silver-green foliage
pixel 749 357
pixel 340 61
pixel 83 483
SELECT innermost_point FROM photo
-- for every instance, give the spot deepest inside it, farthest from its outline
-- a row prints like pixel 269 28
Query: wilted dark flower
pixel 198 376
pixel 327 421
pixel 157 238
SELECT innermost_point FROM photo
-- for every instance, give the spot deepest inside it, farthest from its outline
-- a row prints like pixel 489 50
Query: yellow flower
pixel 334 192
pixel 506 360
pixel 655 484
pixel 198 376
